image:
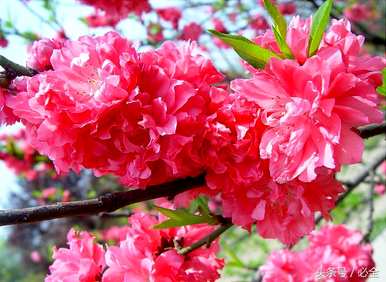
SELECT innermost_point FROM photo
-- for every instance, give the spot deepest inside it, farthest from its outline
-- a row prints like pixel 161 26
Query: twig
pixel 359 178
pixel 38 16
pixel 370 223
pixel 105 203
pixel 207 240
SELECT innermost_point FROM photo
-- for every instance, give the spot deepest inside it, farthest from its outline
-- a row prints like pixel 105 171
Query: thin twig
pixel 207 240
pixel 105 203
pixel 370 223
pixel 359 178
pixel 40 17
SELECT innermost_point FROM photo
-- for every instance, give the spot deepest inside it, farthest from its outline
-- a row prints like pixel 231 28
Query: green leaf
pixel 29 36
pixel 382 89
pixel 182 217
pixel 319 24
pixel 378 228
pixel 249 51
pixel 282 43
pixel 277 17
pixel 8 24
pixel 279 28
pixel 200 204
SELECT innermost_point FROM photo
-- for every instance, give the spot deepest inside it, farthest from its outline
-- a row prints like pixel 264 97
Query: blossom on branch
pixel 249 194
pixel 311 105
pixel 335 253
pixel 106 107
pixel 109 12
pixel 83 261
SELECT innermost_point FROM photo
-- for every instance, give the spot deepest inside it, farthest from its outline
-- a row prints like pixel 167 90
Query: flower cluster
pixel 310 105
pixel 142 254
pixel 335 253
pixel 111 12
pixel 83 261
pixel 273 147
pixel 96 108
pixel 249 194
pixel 269 148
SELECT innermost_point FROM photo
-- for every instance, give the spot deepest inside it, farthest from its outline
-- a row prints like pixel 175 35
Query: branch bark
pixel 372 130
pixel 105 203
pixel 13 70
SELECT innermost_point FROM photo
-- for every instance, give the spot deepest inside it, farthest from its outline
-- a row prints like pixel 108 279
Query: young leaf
pixel 277 18
pixel 382 89
pixel 200 204
pixel 319 24
pixel 252 53
pixel 282 43
pixel 182 217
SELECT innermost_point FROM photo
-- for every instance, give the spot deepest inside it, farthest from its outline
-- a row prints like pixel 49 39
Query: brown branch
pixel 13 70
pixel 105 203
pixel 372 130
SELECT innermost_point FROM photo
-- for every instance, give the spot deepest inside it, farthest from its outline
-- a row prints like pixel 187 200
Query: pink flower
pixel 91 78
pixel 219 25
pixel 39 54
pixel 115 233
pixel 96 109
pixel 48 192
pixel 297 38
pixel 83 261
pixel 101 19
pixel 249 194
pixel 358 12
pixel 35 256
pixel 6 114
pixel 333 247
pixel 309 110
pixel 380 189
pixel 170 14
pixel 336 246
pixel 287 8
pixel 258 23
pixel 149 255
pixel 116 10
pixel 3 42
pixel 340 36
pixel 191 31
pixel 66 196
pixel 285 266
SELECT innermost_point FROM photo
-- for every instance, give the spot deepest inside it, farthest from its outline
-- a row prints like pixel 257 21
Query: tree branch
pixel 13 70
pixel 207 240
pixel 105 203
pixel 115 214
pixel 372 130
